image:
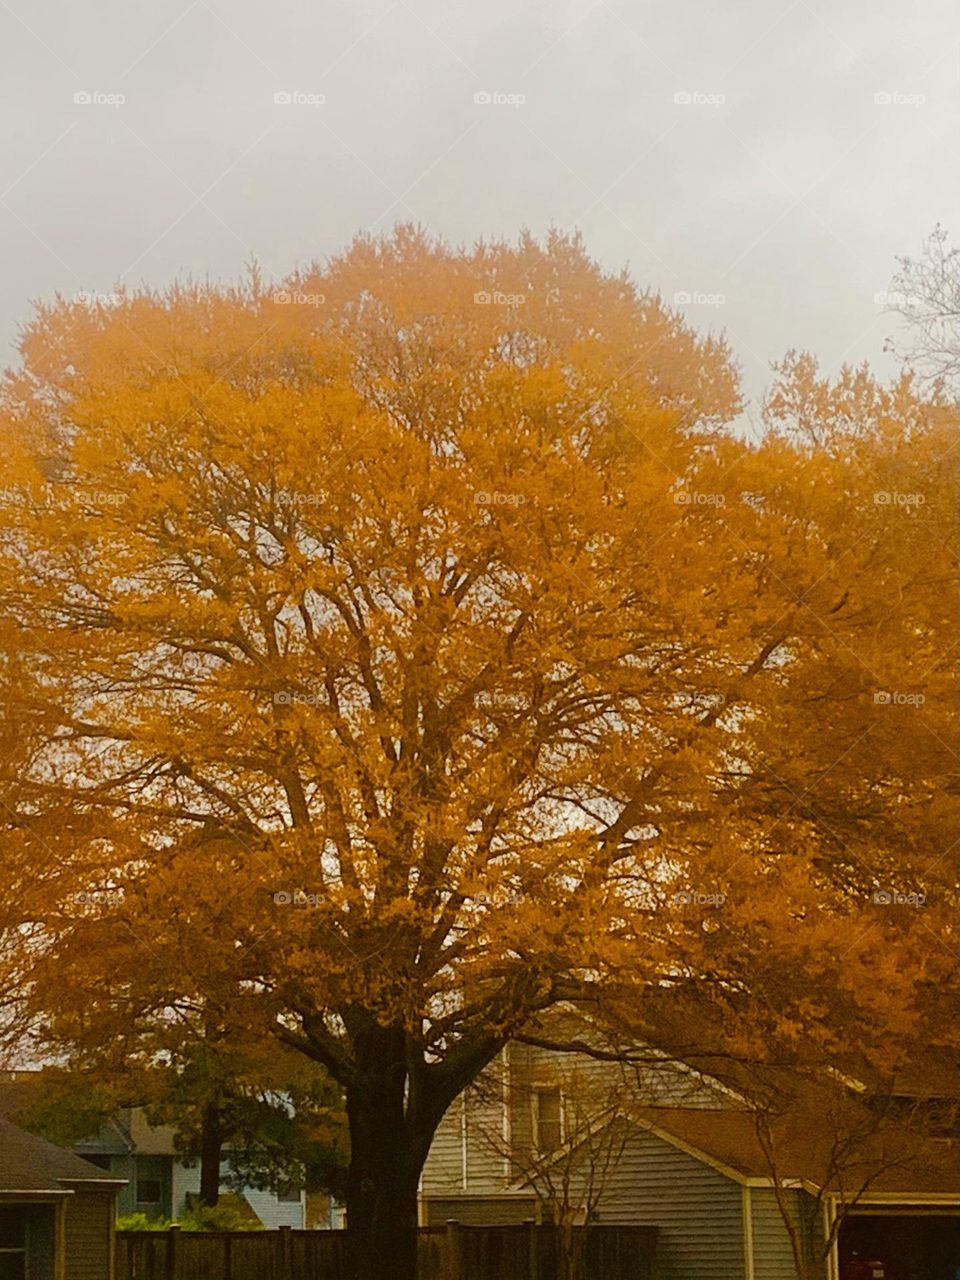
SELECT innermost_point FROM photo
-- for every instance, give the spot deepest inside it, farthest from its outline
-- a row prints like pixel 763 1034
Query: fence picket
pixel 453 1252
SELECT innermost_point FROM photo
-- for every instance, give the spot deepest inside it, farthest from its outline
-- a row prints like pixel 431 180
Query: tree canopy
pixel 394 655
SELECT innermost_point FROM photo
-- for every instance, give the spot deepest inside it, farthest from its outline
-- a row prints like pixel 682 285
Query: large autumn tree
pixel 415 648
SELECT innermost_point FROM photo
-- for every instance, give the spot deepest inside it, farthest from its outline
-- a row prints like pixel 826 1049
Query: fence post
pixel 452 1266
pixel 171 1259
pixel 228 1257
pixel 286 1251
pixel 533 1258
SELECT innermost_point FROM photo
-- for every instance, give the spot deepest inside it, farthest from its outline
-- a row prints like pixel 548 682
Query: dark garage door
pixel 911 1246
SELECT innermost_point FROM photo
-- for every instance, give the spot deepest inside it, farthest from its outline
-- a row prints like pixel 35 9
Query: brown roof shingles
pixel 888 1161
pixel 29 1163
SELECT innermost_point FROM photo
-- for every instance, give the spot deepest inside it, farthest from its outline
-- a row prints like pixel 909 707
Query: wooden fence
pixel 453 1252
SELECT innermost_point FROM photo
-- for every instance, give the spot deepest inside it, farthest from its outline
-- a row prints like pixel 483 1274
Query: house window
pixel 13 1244
pixel 149 1181
pixel 289 1194
pixel 547 1119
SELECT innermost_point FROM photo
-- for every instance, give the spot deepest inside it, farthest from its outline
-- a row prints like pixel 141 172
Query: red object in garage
pixel 860 1269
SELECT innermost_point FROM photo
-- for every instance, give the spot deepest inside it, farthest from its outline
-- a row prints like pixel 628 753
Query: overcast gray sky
pixel 816 142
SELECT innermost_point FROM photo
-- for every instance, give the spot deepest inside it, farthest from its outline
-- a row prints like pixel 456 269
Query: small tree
pixel 841 1145
pixel 272 1118
pixel 565 1158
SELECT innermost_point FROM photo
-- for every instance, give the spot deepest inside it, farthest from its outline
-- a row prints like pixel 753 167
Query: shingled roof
pixel 888 1161
pixel 29 1163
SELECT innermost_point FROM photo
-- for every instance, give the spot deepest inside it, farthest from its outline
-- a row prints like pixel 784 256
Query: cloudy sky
pixel 765 159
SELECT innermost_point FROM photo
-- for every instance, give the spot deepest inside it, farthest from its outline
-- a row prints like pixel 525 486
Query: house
pixel 158 1180
pixel 164 1182
pixel 57 1211
pixel 732 1191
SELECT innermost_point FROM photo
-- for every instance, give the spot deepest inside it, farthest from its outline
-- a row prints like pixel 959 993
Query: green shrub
pixel 140 1222
pixel 227 1216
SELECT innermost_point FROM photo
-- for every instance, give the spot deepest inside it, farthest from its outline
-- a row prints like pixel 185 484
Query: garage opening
pixel 911 1246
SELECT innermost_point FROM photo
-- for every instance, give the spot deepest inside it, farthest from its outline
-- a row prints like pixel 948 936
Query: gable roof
pixel 886 1162
pixel 29 1163
pixel 21 1091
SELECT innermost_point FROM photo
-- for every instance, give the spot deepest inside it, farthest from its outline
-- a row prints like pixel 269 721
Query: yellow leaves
pixel 472 627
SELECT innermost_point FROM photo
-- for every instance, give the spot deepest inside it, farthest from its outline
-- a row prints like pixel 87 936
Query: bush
pixel 140 1222
pixel 231 1214
pixel 227 1216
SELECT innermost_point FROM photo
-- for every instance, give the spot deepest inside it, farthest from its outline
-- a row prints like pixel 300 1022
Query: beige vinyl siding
pixel 443 1170
pixel 772 1254
pixel 697 1209
pixel 668 1084
pixel 485 1140
pixel 522 1064
pixel 89 1222
pixel 487 1158
pixel 468 1154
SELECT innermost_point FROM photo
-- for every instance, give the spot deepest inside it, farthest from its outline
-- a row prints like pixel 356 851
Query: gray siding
pixel 697 1209
pixel 123 1167
pixel 496 1115
pixel 487 1156
pixel 272 1212
pixel 443 1170
pixel 484 1144
pixel 468 1153
pixel 772 1253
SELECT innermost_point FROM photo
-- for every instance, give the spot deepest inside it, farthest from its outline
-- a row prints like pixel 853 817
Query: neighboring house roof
pixel 20 1091
pixel 112 1139
pixel 148 1139
pixel 887 1161
pixel 125 1132
pixel 29 1163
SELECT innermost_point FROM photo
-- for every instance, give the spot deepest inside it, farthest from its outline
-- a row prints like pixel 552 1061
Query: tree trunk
pixel 211 1150
pixel 388 1146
